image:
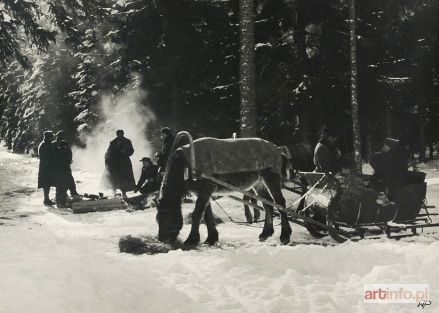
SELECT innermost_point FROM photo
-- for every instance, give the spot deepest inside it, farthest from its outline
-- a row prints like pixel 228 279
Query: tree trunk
pixel 304 69
pixel 354 97
pixel 248 110
pixel 168 12
pixel 368 141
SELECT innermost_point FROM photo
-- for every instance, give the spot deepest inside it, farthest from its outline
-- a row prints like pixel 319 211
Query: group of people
pixel 119 170
pixel 55 171
pixel 56 158
pixel 390 164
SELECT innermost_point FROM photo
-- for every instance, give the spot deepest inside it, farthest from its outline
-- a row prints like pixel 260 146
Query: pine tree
pixel 247 69
pixel 354 96
pixel 18 19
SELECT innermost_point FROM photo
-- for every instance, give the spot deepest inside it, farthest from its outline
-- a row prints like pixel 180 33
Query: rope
pixel 306 193
pixel 240 223
pixel 230 218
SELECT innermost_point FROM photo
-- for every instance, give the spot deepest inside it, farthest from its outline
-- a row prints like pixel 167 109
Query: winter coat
pixel 118 168
pixel 46 170
pixel 148 174
pixel 326 157
pixel 166 150
pixel 390 168
pixel 62 164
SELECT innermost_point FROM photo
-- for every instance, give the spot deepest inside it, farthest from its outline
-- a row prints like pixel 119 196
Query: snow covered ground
pixel 53 261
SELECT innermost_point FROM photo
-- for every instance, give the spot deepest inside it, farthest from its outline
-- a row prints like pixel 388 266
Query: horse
pixel 296 157
pixel 253 175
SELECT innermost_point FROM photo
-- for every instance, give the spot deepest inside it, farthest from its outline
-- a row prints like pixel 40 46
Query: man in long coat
pixel 119 170
pixel 326 154
pixel 63 172
pixel 46 169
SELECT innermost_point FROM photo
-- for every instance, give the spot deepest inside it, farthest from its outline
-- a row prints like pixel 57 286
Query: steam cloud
pixel 119 112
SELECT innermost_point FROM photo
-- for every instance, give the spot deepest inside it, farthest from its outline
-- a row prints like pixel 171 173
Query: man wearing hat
pixel 326 154
pixel 390 166
pixel 118 168
pixel 46 170
pixel 149 175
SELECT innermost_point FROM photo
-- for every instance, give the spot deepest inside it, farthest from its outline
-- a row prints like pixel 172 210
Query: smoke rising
pixel 125 112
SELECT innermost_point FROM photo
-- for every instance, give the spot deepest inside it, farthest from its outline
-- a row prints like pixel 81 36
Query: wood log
pixel 100 205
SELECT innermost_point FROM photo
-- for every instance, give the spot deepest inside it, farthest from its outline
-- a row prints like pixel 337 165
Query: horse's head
pixel 169 216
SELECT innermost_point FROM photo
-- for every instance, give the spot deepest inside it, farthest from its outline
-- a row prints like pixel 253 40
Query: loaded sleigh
pixel 356 209
pixel 257 169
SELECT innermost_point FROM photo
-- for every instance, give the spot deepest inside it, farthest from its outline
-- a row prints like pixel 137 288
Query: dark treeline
pixel 58 58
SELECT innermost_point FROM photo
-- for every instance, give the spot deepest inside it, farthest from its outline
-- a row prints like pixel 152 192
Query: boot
pixel 48 202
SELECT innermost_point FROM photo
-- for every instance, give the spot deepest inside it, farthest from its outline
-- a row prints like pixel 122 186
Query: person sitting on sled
pixel 390 167
pixel 326 154
pixel 149 175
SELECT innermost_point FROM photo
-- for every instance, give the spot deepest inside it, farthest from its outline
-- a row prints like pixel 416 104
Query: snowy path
pixel 52 262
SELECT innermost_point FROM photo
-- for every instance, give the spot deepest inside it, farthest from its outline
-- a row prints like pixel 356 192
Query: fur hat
pixel 48 134
pixel 166 130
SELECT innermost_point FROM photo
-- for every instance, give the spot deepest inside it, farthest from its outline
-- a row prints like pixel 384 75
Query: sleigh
pixel 355 207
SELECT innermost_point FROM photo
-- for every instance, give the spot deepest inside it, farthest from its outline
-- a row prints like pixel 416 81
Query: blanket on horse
pixel 225 156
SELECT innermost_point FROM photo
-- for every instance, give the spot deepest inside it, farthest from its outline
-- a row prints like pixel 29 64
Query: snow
pixel 53 261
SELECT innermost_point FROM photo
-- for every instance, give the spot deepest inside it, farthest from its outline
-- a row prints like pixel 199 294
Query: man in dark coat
pixel 118 164
pixel 149 175
pixel 162 156
pixel 390 166
pixel 46 170
pixel 63 172
pixel 326 154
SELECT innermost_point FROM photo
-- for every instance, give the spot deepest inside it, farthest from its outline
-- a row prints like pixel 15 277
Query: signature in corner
pixel 423 303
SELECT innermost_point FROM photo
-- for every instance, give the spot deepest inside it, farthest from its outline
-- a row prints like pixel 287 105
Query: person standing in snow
pixel 149 175
pixel 162 156
pixel 46 169
pixel 63 173
pixel 326 154
pixel 119 170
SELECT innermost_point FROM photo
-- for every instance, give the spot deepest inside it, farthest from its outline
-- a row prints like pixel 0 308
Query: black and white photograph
pixel 219 156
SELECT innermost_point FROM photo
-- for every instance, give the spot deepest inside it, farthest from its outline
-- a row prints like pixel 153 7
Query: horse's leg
pixel 194 236
pixel 268 229
pixel 248 214
pixel 256 213
pixel 212 232
pixel 273 184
